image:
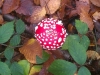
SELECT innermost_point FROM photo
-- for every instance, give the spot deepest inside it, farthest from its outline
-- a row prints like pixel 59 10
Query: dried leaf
pixel 87 1
pixel 62 12
pixel 1 19
pixel 82 6
pixel 96 15
pixel 37 2
pixel 37 15
pixel 83 10
pixel 97 26
pixel 50 5
pixel 1 2
pixel 26 7
pixel 31 49
pixel 98 41
pixel 93 54
pixel 10 5
pixel 96 2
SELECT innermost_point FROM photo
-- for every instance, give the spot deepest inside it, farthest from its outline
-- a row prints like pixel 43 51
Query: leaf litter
pixel 33 11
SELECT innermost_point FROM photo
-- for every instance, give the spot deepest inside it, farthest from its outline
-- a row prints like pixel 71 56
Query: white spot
pixel 53 26
pixel 41 25
pixel 52 47
pixel 50 39
pixel 63 30
pixel 59 22
pixel 55 41
pixel 47 35
pixel 42 39
pixel 55 47
pixel 58 47
pixel 39 37
pixel 47 47
pixel 40 42
pixel 46 26
pixel 45 43
pixel 54 44
pixel 51 36
pixel 65 35
pixel 61 44
pixel 64 39
pixel 50 18
pixel 36 28
pixel 61 34
pixel 49 42
pixel 60 39
pixel 57 44
pixel 46 39
pixel 55 37
pixel 43 33
pixel 47 31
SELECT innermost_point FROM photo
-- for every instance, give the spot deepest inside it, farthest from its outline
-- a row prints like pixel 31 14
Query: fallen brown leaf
pixel 31 49
pixel 83 10
pixel 93 54
pixel 96 15
pixel 1 19
pixel 1 2
pixel 26 7
pixel 37 15
pixel 87 1
pixel 51 6
pixel 37 2
pixel 96 2
pixel 62 12
pixel 98 41
pixel 9 6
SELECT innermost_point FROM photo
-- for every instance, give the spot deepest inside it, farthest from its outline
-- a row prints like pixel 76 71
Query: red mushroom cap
pixel 50 33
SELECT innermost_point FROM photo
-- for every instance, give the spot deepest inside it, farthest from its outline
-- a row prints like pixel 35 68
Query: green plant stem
pixel 11 46
pixel 95 46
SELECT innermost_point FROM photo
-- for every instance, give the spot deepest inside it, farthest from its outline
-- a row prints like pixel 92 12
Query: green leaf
pixel 85 41
pixel 8 62
pixel 6 31
pixel 65 45
pixel 16 69
pixel 20 26
pixel 84 71
pixel 15 40
pixel 4 70
pixel 45 57
pixel 9 53
pixel 77 51
pixel 81 27
pixel 25 65
pixel 62 67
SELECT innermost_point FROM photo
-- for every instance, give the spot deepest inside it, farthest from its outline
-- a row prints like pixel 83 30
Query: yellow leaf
pixel 35 69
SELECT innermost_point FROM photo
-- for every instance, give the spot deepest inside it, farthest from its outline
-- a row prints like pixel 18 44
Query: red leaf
pixel 10 5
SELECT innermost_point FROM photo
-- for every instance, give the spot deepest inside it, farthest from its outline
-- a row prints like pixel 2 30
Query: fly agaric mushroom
pixel 50 33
